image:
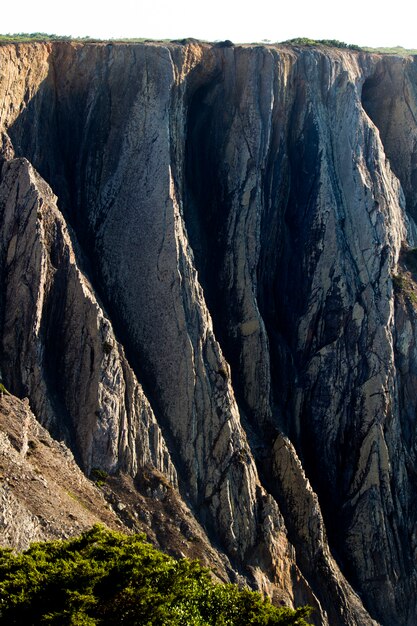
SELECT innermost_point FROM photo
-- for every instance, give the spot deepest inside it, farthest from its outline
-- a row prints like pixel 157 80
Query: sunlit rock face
pixel 206 269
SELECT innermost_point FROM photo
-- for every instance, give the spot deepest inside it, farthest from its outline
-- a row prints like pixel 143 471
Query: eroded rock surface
pixel 221 293
pixel 56 335
pixel 43 493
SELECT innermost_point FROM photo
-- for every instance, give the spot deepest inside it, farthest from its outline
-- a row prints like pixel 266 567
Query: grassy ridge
pixel 399 50
pixel 42 37
pixel 334 43
pixel 25 37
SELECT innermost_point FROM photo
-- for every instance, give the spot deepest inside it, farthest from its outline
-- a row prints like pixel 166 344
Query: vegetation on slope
pixel 334 43
pixel 398 50
pixel 330 43
pixel 24 37
pixel 103 577
pixel 297 41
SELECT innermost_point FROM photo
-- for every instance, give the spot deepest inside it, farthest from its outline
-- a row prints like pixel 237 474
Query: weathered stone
pixel 58 341
pixel 234 209
pixel 43 493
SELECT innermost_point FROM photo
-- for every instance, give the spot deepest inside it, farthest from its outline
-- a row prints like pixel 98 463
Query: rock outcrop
pixel 57 337
pixel 43 493
pixel 219 291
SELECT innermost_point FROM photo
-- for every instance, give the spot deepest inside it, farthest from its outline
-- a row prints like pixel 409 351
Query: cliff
pixel 206 276
pixel 44 494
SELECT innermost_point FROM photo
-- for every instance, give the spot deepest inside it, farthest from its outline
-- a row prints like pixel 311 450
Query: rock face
pixel 70 364
pixel 43 493
pixel 219 290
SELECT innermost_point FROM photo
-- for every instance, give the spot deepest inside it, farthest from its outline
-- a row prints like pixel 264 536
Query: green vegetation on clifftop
pixel 297 41
pixel 103 577
pixel 329 43
pixel 44 37
pixel 24 37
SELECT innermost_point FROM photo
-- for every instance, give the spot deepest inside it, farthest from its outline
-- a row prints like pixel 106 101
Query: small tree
pixel 107 578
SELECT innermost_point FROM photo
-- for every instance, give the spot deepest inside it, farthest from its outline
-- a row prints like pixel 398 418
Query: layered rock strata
pixel 43 493
pixel 221 291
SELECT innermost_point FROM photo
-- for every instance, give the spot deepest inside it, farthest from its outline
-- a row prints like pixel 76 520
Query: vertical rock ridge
pixel 58 346
pixel 302 510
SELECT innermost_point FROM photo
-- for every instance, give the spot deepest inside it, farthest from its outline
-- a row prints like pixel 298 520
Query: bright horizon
pixel 357 22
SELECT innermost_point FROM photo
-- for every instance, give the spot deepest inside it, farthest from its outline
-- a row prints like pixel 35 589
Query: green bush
pixel 107 578
pixel 99 476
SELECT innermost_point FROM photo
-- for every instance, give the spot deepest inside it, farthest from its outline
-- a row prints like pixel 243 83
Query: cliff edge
pixel 207 277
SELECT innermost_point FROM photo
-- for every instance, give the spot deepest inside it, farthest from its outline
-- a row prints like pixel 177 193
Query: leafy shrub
pixel 107 578
pixel 99 476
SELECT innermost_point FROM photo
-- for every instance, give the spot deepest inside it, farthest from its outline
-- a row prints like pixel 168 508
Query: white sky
pixel 362 22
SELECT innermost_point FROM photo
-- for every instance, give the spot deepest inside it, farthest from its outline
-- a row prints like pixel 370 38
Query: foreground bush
pixel 104 577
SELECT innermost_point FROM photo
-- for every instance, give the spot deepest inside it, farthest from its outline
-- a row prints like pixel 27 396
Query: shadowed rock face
pixel 211 295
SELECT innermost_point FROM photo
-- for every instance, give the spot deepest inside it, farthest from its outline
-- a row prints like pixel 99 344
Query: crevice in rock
pixel 207 206
pixel 53 367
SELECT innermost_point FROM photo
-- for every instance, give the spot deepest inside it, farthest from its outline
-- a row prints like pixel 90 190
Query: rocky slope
pixel 43 493
pixel 207 277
